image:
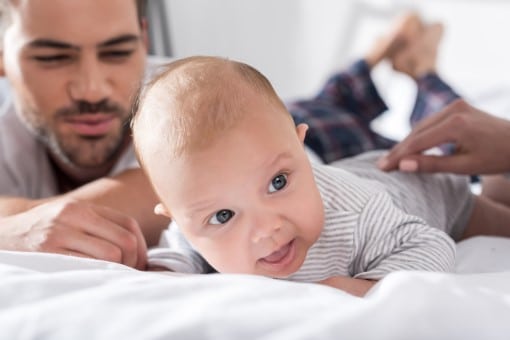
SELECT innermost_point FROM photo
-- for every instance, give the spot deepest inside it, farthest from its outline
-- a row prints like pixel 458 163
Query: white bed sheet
pixel 46 296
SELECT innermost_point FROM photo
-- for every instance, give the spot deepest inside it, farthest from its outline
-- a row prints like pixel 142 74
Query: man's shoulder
pixel 25 169
pixel 12 128
pixel 5 94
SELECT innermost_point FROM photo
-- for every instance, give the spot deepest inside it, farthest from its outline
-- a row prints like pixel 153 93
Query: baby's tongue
pixel 278 255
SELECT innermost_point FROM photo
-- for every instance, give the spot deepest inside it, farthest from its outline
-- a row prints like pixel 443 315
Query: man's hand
pixel 73 227
pixel 357 287
pixel 480 141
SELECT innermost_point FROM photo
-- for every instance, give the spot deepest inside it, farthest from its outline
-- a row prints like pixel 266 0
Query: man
pixel 65 149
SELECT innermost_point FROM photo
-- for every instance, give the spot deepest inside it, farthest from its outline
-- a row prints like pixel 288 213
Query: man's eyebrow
pixel 51 43
pixel 126 38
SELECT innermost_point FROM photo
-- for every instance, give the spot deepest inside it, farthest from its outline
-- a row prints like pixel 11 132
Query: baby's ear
pixel 301 132
pixel 160 209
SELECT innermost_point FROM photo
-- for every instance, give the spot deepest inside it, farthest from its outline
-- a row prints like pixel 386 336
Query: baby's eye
pixel 222 217
pixel 278 183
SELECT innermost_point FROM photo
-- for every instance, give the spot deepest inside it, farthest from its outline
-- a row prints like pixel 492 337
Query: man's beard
pixel 86 152
pixel 81 152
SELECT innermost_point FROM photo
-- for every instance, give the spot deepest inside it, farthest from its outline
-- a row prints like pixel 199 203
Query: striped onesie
pixel 371 224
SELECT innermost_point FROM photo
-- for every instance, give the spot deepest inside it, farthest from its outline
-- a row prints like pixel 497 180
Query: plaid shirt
pixel 339 116
pixel 433 94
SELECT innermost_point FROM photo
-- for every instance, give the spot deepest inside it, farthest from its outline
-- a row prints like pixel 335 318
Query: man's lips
pixel 91 124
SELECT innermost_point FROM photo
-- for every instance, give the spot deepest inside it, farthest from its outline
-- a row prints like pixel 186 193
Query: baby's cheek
pixel 314 213
pixel 229 268
pixel 225 261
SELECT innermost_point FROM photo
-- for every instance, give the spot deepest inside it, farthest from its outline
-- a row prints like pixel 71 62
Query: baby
pixel 229 166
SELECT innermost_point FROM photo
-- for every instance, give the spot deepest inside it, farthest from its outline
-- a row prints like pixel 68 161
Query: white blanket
pixel 46 296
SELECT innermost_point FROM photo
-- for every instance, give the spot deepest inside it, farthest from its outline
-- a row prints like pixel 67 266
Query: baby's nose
pixel 267 230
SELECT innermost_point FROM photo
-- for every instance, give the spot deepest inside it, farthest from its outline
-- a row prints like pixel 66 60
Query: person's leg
pixel 339 116
pixel 353 89
pixel 432 95
pixel 338 120
pixel 404 30
pixel 419 61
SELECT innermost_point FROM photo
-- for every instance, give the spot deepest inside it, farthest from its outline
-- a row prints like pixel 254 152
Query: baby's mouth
pixel 278 255
pixel 281 255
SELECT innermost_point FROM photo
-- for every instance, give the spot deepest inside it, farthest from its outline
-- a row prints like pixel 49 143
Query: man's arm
pixel 15 205
pixel 129 193
pixel 76 228
pixel 103 219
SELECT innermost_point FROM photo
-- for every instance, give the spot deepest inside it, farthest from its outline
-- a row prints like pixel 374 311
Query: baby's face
pixel 249 202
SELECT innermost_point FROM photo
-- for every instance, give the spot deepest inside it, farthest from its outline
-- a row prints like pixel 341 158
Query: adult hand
pixel 72 227
pixel 480 141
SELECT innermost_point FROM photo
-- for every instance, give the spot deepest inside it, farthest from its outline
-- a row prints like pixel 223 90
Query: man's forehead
pixel 77 22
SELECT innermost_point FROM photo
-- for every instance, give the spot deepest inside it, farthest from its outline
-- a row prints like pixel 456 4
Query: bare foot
pixel 420 56
pixel 404 31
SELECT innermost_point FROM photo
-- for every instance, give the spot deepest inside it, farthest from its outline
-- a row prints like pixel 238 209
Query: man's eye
pixel 116 54
pixel 222 217
pixel 52 59
pixel 278 183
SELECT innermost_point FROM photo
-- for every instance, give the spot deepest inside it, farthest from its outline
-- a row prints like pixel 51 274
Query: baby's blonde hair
pixel 192 101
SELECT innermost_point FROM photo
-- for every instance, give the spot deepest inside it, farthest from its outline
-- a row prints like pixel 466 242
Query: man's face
pixel 74 67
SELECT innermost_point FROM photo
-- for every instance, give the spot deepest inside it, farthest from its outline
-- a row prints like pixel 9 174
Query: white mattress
pixel 47 296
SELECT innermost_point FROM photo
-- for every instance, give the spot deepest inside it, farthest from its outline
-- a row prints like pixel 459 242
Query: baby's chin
pixel 282 274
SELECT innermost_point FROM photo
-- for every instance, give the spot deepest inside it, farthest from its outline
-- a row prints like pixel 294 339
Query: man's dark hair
pixel 141 6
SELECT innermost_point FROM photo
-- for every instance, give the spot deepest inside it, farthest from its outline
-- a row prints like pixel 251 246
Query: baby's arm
pixel 388 240
pixel 175 254
pixel 488 218
pixel 357 287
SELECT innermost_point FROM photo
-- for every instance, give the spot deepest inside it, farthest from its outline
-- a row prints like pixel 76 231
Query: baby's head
pixel 229 166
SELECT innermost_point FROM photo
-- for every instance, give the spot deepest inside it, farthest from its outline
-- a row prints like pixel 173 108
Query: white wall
pixel 298 43
pixel 288 40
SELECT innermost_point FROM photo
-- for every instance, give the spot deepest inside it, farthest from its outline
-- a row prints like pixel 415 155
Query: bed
pixel 49 296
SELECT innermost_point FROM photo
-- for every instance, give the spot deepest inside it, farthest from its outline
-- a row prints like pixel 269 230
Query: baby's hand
pixel 154 268
pixel 357 287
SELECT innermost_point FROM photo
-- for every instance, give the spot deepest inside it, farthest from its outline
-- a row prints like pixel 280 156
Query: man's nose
pixel 90 83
